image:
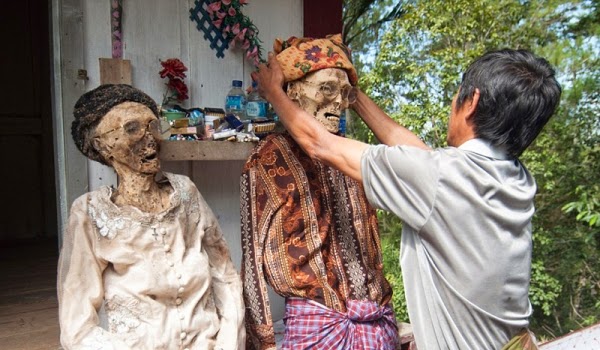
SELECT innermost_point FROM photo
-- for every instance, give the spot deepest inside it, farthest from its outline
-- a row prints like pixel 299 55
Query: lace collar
pixel 110 218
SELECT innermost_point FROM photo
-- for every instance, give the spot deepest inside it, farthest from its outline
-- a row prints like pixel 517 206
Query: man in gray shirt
pixel 467 209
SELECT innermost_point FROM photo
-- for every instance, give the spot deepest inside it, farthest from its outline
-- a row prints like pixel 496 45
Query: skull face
pixel 324 94
pixel 128 138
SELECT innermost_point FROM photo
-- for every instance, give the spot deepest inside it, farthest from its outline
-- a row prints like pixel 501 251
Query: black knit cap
pixel 95 104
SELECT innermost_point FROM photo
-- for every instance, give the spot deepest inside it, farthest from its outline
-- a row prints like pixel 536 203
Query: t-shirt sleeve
pixel 402 180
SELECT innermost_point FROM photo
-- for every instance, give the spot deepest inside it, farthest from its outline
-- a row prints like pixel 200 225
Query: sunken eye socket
pixel 132 128
pixel 137 129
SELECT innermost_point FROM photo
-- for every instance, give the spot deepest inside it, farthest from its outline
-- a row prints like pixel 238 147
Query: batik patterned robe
pixel 308 231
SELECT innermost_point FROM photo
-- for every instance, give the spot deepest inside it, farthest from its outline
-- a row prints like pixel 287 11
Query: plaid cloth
pixel 365 326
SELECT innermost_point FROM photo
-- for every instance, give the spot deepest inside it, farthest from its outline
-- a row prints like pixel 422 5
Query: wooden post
pixel 322 18
pixel 115 70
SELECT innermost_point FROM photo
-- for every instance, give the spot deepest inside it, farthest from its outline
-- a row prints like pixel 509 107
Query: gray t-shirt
pixel 466 239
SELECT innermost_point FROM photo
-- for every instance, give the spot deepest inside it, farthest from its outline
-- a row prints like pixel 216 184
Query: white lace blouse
pixel 166 280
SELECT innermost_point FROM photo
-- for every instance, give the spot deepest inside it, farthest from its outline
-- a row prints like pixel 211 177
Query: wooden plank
pixel 152 32
pixel 585 338
pixel 46 338
pixel 205 150
pixel 115 71
pixel 28 322
pixel 16 307
pixel 68 46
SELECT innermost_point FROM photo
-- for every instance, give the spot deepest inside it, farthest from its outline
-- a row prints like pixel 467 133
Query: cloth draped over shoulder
pixel 309 232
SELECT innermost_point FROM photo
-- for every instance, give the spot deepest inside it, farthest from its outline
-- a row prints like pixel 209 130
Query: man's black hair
pixel 518 95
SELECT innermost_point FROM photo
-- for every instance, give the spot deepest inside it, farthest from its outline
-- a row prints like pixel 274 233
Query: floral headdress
pixel 300 56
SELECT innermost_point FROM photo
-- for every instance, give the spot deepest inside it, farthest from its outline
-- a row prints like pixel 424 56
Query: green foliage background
pixel 410 56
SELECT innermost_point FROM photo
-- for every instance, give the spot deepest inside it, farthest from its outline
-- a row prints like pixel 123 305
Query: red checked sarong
pixel 365 326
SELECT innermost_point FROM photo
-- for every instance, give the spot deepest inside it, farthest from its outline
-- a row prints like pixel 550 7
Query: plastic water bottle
pixel 257 106
pixel 342 127
pixel 235 102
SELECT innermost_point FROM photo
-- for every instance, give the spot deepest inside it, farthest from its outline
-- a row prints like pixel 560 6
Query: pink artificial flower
pixel 246 44
pixel 214 7
pixel 256 61
pixel 236 29
pixel 232 11
pixel 227 29
pixel 226 2
pixel 243 2
pixel 221 15
pixel 252 53
pixel 240 36
pixel 218 23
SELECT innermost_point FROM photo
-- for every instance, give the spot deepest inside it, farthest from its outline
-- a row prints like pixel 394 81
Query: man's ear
pixel 470 105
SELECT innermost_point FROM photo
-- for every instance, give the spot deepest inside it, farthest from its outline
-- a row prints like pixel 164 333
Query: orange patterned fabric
pixel 300 56
pixel 307 231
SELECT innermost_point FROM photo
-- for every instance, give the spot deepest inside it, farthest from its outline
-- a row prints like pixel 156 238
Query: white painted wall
pixel 161 29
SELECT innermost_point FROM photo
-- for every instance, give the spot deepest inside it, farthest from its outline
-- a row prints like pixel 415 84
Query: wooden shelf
pixel 205 150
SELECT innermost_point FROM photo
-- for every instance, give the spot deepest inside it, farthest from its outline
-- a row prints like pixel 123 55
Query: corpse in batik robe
pixel 307 231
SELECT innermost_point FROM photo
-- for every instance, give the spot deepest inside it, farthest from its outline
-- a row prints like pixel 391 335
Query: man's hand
pixel 269 77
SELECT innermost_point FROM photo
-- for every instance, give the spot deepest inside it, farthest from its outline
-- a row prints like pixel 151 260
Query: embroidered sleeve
pixel 80 287
pixel 226 283
pixel 259 322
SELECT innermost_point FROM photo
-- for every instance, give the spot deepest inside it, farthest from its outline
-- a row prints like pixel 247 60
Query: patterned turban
pixel 300 56
pixel 95 104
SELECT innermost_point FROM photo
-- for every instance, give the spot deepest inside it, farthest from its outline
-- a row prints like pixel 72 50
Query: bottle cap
pixel 237 83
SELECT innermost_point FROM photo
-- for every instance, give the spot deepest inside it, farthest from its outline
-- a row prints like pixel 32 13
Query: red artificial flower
pixel 173 68
pixel 179 87
pixel 232 11
pixel 226 2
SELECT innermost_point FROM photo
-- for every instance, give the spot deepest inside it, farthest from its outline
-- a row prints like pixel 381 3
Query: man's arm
pixel 339 152
pixel 385 128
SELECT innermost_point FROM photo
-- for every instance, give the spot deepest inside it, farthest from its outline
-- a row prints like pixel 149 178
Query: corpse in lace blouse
pixel 166 280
